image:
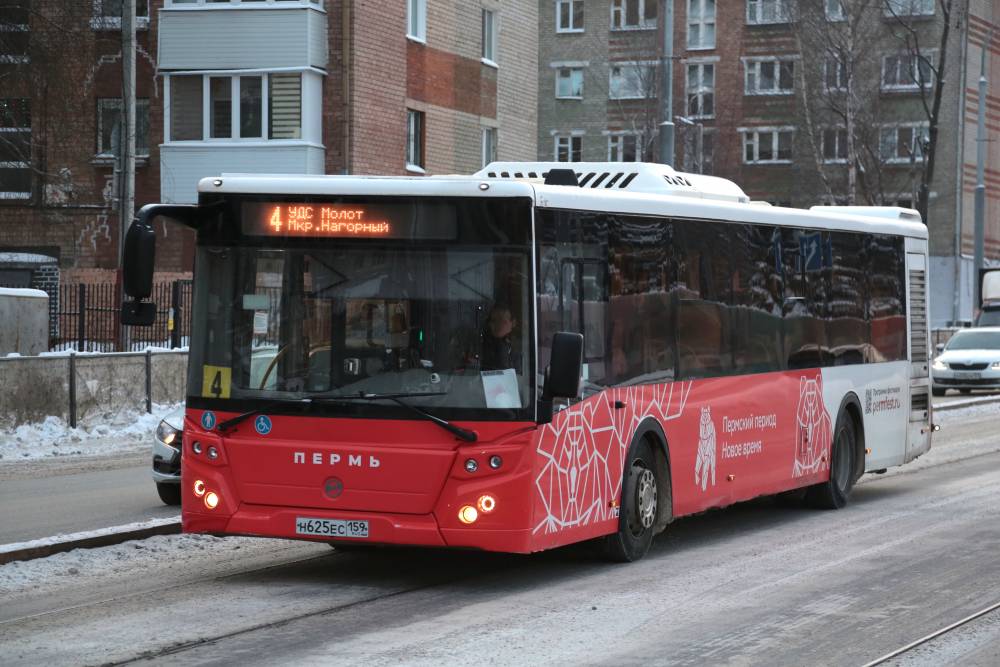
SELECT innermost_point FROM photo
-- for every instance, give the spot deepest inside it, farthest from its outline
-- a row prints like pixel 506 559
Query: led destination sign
pixel 319 220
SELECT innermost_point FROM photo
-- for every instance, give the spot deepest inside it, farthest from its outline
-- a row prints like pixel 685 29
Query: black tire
pixel 937 392
pixel 639 507
pixel 833 493
pixel 169 493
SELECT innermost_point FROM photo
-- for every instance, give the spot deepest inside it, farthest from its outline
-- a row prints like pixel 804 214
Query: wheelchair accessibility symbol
pixel 263 424
pixel 208 420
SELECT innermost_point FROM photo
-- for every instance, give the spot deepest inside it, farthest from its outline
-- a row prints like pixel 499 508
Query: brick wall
pixel 72 66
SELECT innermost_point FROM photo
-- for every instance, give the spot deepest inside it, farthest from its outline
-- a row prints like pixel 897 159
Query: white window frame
pixel 572 69
pixel 841 74
pixel 697 15
pixel 752 135
pixel 911 8
pixel 752 66
pixel 490 31
pixel 834 11
pixel 641 95
pixel 105 152
pixel 416 20
pixel 17 164
pixel 416 141
pixel 489 145
pixel 930 56
pixel 619 16
pixel 243 4
pixel 707 132
pixel 572 5
pixel 837 159
pixel 100 22
pixel 756 10
pixel 308 130
pixel 616 146
pixel 570 139
pixel 700 90
pixel 895 128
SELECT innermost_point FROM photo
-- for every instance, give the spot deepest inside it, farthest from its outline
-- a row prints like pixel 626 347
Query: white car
pixel 970 360
pixel 167 457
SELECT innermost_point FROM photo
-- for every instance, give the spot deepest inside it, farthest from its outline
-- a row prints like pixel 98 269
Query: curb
pixel 114 535
pixel 969 402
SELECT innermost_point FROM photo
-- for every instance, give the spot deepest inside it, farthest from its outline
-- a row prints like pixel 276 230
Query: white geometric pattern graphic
pixel 706 450
pixel 584 451
pixel 814 433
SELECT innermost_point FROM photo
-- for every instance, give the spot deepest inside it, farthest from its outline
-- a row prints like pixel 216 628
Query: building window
pixel 109 119
pixel 767 145
pixel 908 71
pixel 569 83
pixel 834 145
pixel 244 4
pixel 701 24
pixel 414 139
pixel 632 82
pixel 489 145
pixel 15 148
pixel 14 32
pixel 416 19
pixel 633 14
pixel 194 98
pixel 707 157
pixel 490 36
pixel 834 10
pixel 768 76
pixel 834 74
pixel 701 90
pixel 899 144
pixel 569 16
pixel 108 15
pixel 624 147
pixel 762 12
pixel 908 8
pixel 569 148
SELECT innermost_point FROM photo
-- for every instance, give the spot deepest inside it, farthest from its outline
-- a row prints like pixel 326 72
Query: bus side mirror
pixel 562 377
pixel 138 258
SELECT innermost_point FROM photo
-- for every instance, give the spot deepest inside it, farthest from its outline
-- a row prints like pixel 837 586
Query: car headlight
pixel 939 365
pixel 995 366
pixel 166 433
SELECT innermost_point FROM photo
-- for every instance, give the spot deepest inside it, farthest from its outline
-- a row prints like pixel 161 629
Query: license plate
pixel 967 375
pixel 355 528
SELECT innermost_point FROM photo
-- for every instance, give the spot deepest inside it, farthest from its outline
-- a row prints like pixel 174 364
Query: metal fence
pixel 87 319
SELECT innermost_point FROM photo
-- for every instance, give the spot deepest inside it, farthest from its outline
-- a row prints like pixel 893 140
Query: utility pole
pixel 127 188
pixel 667 85
pixel 980 201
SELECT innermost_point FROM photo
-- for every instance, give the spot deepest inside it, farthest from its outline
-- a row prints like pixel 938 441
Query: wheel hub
pixel 645 505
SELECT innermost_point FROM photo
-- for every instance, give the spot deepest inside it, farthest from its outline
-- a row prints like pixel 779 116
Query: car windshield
pixel 350 317
pixel 989 318
pixel 974 340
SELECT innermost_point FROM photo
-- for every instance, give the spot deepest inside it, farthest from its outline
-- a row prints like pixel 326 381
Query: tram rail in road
pixel 933 635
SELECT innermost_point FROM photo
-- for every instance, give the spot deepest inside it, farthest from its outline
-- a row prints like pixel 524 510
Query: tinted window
pixel 887 308
pixel 758 287
pixel 805 261
pixel 848 330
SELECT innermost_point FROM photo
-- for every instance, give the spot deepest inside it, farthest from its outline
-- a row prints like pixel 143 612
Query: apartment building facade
pixel 408 87
pixel 799 103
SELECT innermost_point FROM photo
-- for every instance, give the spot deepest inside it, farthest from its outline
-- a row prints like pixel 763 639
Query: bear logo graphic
pixel 705 463
pixel 814 432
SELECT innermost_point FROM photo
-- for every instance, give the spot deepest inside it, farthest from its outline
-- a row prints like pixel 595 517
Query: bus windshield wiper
pixel 230 423
pixel 464 434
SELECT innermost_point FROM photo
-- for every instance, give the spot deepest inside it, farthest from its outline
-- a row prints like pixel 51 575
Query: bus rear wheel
pixel 832 494
pixel 639 506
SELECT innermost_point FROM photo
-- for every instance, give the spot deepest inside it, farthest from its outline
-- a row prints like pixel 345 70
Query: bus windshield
pixel 445 321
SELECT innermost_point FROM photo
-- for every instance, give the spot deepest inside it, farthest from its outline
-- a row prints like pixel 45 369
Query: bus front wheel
pixel 639 506
pixel 832 494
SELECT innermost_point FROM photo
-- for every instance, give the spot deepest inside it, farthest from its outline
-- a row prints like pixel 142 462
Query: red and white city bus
pixel 531 357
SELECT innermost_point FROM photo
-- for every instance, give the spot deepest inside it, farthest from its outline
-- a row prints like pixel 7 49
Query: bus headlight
pixel 211 500
pixel 468 514
pixel 199 488
pixel 486 503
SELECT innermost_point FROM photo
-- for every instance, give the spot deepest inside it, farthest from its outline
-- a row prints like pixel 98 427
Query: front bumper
pixel 166 462
pixel 951 379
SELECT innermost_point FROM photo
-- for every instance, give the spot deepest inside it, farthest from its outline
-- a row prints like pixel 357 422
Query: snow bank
pixel 23 292
pixel 96 435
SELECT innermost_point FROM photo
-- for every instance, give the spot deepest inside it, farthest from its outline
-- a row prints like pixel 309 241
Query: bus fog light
pixel 196 447
pixel 468 514
pixel 199 488
pixel 213 453
pixel 471 466
pixel 486 504
pixel 495 461
pixel 211 500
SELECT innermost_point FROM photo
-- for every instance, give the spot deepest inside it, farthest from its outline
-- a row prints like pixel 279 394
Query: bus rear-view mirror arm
pixel 139 259
pixel 563 375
